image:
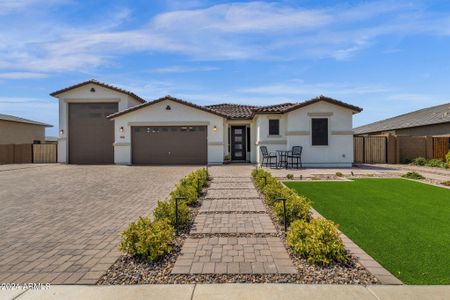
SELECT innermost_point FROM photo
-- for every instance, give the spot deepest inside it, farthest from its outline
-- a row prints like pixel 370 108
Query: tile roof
pixel 133 108
pixel 102 84
pixel 234 111
pixel 10 118
pixel 276 108
pixel 239 111
pixel 427 116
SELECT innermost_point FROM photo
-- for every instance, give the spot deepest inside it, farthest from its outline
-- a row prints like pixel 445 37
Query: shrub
pixel 419 161
pixel 317 241
pixel 297 208
pixel 166 210
pixel 413 175
pixel 185 190
pixel 447 159
pixel 339 174
pixel 446 183
pixel 227 157
pixel 190 186
pixel 436 163
pixel 290 176
pixel 316 178
pixel 147 240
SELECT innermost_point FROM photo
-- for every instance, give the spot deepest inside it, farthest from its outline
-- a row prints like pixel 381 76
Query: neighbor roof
pixel 242 112
pixel 102 84
pixel 10 118
pixel 427 116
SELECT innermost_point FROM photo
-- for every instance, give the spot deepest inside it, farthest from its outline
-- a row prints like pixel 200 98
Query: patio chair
pixel 266 156
pixel 295 154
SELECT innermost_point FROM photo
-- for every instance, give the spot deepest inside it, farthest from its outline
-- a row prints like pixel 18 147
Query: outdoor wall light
pixel 61 132
pixel 121 129
pixel 215 128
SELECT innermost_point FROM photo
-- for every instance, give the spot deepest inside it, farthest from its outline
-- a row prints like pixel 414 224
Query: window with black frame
pixel 274 127
pixel 319 132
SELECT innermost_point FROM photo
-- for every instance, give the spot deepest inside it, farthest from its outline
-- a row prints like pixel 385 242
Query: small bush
pixel 339 174
pixel 166 210
pixel 290 176
pixel 191 186
pixel 435 163
pixel 419 161
pixel 413 175
pixel 227 157
pixel 147 240
pixel 316 178
pixel 297 208
pixel 187 191
pixel 447 159
pixel 317 241
pixel 446 183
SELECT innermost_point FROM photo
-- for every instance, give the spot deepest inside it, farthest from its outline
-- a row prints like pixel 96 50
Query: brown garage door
pixel 169 145
pixel 91 135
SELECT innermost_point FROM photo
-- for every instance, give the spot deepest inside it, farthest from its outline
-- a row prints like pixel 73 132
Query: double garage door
pixel 169 145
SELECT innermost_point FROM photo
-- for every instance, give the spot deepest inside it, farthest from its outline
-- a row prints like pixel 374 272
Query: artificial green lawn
pixel 404 225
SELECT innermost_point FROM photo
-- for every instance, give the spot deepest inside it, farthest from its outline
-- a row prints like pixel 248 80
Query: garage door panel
pixel 91 135
pixel 169 145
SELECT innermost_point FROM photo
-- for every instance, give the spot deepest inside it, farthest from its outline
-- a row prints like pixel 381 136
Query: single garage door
pixel 91 135
pixel 169 145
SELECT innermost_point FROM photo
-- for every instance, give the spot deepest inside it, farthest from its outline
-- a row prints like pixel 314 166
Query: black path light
pixel 284 212
pixel 176 211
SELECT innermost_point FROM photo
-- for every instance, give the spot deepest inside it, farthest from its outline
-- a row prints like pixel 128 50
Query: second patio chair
pixel 295 154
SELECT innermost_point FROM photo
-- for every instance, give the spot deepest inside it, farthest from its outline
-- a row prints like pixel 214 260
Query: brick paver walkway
pixel 62 223
pixel 233 234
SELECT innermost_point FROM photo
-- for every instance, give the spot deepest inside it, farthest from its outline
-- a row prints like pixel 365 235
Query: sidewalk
pixel 231 292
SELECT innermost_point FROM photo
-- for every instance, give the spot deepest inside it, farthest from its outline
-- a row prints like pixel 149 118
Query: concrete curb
pixel 232 291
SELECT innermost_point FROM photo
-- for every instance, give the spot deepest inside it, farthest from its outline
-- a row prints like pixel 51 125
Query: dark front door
pixel 238 150
pixel 91 134
pixel 170 145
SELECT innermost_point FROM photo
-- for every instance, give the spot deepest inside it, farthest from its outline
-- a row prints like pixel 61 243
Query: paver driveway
pixel 62 223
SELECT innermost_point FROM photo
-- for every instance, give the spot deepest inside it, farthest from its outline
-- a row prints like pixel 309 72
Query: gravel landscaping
pixel 128 270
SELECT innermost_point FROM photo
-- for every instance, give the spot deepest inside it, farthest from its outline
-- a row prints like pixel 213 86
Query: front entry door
pixel 238 150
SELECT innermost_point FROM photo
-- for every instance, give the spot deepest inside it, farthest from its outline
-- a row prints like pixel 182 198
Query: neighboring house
pixel 421 133
pixel 431 121
pixel 100 123
pixel 15 130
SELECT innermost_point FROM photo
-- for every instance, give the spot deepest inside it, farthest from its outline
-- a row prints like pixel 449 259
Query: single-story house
pixel 100 123
pixel 431 121
pixel 15 130
pixel 421 133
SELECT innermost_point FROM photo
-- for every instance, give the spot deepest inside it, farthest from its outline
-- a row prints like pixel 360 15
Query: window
pixel 274 127
pixel 319 128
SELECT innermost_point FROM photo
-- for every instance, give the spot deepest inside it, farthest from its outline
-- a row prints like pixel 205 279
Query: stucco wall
pixel 295 130
pixel 178 115
pixel 84 95
pixel 20 133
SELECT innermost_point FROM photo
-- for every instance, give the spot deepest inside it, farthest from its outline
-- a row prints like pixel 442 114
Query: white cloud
pixel 297 88
pixel 234 31
pixel 22 75
pixel 183 69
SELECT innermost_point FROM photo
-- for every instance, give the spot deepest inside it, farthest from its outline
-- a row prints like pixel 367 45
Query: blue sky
pixel 388 57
